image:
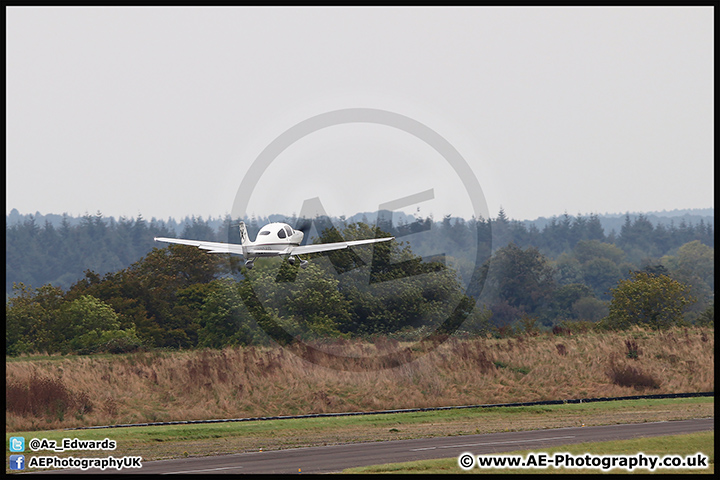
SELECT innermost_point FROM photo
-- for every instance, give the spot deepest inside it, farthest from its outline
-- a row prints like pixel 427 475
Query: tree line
pixel 59 255
pixel 182 297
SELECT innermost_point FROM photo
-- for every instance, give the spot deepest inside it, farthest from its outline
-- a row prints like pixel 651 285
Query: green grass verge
pixel 177 441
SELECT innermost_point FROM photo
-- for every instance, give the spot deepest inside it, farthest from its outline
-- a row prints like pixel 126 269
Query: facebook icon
pixel 17 462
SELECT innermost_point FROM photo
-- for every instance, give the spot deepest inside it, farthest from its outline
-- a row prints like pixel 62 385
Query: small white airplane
pixel 274 239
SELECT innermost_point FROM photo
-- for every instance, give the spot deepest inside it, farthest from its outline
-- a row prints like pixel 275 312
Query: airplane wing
pixel 217 247
pixel 324 247
pixel 212 247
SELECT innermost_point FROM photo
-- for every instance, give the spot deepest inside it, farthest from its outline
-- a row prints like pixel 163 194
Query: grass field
pixel 63 392
pixel 177 441
pixel 45 394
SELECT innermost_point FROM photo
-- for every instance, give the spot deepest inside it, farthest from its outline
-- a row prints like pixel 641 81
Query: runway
pixel 334 458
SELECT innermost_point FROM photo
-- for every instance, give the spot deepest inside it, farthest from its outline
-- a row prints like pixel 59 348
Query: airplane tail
pixel 244 239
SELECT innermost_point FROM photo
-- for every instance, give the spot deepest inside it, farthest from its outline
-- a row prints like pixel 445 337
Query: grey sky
pixel 161 111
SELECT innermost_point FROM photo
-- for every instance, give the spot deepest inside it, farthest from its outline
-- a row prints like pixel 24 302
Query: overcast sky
pixel 162 111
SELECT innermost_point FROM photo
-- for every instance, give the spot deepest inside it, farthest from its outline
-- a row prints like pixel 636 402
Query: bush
pixel 648 300
pixel 630 376
pixel 707 318
pixel 110 341
pixel 45 396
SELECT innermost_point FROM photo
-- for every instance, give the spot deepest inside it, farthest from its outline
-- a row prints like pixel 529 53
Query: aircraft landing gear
pixel 249 264
pixel 303 263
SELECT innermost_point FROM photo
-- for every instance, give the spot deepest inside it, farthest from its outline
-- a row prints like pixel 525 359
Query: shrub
pixel 630 376
pixel 649 300
pixel 45 396
pixel 632 349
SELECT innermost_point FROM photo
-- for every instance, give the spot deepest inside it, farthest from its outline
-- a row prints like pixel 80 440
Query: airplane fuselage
pixel 274 239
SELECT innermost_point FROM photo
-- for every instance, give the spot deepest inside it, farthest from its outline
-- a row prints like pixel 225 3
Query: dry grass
pixel 252 381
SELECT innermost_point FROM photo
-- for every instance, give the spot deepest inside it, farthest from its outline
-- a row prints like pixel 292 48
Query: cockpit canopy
pixel 275 230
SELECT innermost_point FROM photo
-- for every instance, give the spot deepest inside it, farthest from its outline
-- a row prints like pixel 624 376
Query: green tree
pixel 637 238
pixel 479 322
pixel 564 299
pixel 707 318
pixel 88 313
pixel 568 270
pixel 224 319
pixel 94 326
pixel 518 281
pixel 694 261
pixel 587 250
pixel 694 265
pixel 590 309
pixel 33 321
pixel 146 293
pixel 654 301
pixel 317 304
pixel 601 274
pixel 385 286
pixel 600 264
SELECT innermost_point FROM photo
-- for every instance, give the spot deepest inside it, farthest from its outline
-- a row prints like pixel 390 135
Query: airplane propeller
pixel 304 225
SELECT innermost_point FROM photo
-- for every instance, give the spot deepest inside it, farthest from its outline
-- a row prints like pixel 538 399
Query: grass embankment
pixel 64 392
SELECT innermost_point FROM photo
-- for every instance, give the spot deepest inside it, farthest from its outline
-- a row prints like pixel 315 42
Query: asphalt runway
pixel 334 458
